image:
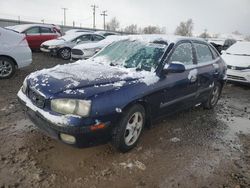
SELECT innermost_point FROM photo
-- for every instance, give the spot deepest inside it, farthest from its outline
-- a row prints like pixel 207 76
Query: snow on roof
pixel 23 27
pixel 240 48
pixel 73 35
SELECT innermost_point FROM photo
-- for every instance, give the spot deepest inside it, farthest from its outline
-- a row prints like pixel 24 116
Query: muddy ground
pixel 195 148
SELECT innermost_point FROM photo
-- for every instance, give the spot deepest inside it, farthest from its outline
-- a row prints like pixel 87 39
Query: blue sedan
pixel 123 88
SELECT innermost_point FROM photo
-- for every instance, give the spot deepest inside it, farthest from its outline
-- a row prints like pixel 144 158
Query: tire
pixel 7 67
pixel 213 96
pixel 65 53
pixel 126 134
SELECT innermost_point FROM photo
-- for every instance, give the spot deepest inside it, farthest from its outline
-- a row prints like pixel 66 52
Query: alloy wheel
pixel 5 68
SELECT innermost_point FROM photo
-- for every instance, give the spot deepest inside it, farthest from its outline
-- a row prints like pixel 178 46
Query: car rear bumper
pixel 84 136
pixel 241 76
pixel 22 56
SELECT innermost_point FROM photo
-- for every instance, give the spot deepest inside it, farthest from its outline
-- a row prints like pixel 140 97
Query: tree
pixel 153 30
pixel 204 35
pixel 236 32
pixel 131 29
pixel 113 25
pixel 185 28
pixel 247 38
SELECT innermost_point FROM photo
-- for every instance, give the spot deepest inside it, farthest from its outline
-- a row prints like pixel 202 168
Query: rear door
pixel 33 37
pixel 47 33
pixel 208 69
pixel 180 88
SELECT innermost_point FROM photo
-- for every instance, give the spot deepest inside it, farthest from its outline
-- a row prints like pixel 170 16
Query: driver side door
pixel 180 88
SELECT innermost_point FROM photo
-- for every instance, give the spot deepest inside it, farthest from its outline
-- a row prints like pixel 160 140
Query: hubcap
pixel 133 128
pixel 215 95
pixel 65 53
pixel 5 68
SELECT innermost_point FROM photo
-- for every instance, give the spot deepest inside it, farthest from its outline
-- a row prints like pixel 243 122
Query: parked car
pixel 106 33
pixel 123 88
pixel 237 58
pixel 78 30
pixel 36 34
pixel 221 44
pixel 14 52
pixel 62 46
pixel 87 50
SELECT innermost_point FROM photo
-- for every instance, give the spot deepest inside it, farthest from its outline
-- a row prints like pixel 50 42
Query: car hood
pixel 54 42
pixel 236 60
pixel 89 77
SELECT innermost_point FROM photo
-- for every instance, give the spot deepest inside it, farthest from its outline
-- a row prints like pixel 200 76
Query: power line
pixel 64 14
pixel 94 9
pixel 104 15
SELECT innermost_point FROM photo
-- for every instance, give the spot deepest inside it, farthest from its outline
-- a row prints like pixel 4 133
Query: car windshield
pixel 133 54
pixel 239 48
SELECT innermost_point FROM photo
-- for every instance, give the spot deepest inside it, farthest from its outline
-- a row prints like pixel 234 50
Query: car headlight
pixel 24 86
pixel 71 106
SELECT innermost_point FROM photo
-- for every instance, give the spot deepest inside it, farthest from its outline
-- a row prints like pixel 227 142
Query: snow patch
pixel 192 73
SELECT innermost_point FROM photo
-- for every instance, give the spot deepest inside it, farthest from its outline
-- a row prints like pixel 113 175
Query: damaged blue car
pixel 122 89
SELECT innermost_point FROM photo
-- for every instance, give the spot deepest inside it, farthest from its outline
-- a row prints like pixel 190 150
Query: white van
pixel 14 52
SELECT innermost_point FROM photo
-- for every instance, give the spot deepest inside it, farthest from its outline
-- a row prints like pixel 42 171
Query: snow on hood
pixel 54 42
pixel 88 73
pixel 239 48
pixel 236 60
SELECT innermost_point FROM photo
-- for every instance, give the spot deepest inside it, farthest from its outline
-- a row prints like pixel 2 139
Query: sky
pixel 216 16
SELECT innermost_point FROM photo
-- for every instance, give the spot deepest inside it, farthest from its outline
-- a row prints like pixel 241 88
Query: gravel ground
pixel 195 148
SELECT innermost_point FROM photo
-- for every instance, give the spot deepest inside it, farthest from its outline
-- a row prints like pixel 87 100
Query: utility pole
pixel 94 9
pixel 104 15
pixel 42 21
pixel 19 20
pixel 64 14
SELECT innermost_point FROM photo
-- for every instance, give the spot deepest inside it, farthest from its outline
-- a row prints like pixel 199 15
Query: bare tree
pixel 236 32
pixel 113 25
pixel 247 38
pixel 205 35
pixel 131 29
pixel 185 28
pixel 153 30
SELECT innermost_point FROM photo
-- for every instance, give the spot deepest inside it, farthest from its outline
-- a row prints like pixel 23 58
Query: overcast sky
pixel 217 16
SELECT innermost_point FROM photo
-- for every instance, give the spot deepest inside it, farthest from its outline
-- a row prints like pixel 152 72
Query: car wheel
pixel 7 67
pixel 126 135
pixel 65 53
pixel 214 96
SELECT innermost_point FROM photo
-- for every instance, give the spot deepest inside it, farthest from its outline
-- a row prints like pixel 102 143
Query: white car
pixel 87 50
pixel 77 31
pixel 14 52
pixel 62 46
pixel 237 58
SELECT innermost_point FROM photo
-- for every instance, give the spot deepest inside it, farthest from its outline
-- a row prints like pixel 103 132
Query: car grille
pixel 237 68
pixel 76 52
pixel 236 77
pixel 36 98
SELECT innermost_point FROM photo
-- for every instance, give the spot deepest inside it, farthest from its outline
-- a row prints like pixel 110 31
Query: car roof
pixel 23 27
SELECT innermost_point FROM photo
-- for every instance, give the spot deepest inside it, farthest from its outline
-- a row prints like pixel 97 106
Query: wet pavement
pixel 195 148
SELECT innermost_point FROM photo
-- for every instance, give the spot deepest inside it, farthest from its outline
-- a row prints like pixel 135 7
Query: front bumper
pixel 241 76
pixel 84 135
pixel 77 57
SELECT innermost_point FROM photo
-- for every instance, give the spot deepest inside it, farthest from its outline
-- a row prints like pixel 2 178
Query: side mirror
pixel 223 51
pixel 174 67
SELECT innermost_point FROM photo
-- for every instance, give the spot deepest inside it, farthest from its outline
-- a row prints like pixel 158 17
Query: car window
pixel 215 54
pixel 46 30
pixel 33 30
pixel 97 37
pixel 85 38
pixel 204 54
pixel 183 53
